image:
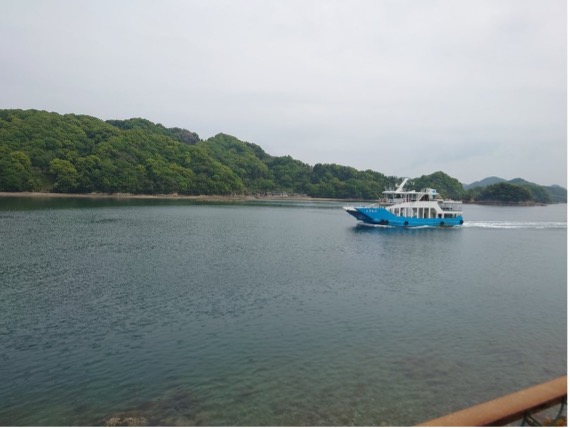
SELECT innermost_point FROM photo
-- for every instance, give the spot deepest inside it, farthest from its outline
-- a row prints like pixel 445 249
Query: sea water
pixel 271 313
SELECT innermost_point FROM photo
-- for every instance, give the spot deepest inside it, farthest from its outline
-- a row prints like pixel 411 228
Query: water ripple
pixel 271 315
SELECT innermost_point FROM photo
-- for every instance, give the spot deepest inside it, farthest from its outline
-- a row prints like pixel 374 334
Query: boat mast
pixel 402 184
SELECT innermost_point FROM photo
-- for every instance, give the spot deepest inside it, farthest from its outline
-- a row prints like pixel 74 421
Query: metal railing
pixel 521 405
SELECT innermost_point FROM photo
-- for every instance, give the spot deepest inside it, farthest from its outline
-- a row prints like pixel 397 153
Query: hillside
pixel 48 152
pixel 478 191
pixel 483 183
pixel 557 194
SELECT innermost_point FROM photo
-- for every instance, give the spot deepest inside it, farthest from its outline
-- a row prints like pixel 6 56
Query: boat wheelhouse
pixel 410 208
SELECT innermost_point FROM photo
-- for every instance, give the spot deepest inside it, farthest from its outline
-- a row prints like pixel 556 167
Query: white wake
pixel 516 224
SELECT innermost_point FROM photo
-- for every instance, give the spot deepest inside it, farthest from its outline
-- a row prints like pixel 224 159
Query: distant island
pixel 51 153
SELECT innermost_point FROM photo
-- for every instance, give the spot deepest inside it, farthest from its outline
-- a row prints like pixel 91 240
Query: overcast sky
pixel 473 88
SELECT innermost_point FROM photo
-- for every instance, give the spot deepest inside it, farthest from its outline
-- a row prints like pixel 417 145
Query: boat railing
pixel 526 405
pixel 390 201
pixel 451 205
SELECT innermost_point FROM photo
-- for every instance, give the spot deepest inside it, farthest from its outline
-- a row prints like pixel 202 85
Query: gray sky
pixel 471 87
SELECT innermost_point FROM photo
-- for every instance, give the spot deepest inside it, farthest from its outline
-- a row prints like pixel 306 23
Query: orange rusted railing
pixel 509 408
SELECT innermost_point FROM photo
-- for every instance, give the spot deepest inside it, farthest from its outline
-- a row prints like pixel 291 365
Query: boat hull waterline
pixel 382 217
pixel 410 208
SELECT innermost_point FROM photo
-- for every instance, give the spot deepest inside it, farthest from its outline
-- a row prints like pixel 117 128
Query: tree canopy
pixel 447 186
pixel 49 152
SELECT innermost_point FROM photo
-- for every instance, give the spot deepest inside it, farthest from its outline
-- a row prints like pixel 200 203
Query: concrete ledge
pixel 508 408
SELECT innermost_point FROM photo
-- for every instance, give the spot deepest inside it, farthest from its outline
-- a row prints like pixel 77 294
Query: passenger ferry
pixel 408 208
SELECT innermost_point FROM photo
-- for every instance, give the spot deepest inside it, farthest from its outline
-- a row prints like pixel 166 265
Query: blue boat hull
pixel 381 216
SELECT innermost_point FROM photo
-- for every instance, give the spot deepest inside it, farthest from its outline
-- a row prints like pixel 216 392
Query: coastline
pixel 510 204
pixel 174 196
pixel 228 198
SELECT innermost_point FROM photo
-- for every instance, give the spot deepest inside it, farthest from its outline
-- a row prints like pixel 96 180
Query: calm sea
pixel 271 313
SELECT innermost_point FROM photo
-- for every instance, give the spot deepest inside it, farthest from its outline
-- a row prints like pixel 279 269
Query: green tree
pixel 15 172
pixel 504 193
pixel 446 186
pixel 89 173
pixel 47 151
pixel 65 175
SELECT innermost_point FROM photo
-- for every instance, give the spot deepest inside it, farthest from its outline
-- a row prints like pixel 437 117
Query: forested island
pixel 47 152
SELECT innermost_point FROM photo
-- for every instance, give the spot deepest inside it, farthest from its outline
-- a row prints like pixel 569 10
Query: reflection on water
pixel 270 314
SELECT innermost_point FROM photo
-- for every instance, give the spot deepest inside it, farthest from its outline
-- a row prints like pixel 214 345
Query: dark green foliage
pixel 178 134
pixel 557 194
pixel 49 152
pixel 184 136
pixel 538 194
pixel 483 183
pixel 337 181
pixel 241 158
pixel 70 153
pixel 15 171
pixel 446 186
pixel 65 175
pixel 289 175
pixel 504 193
pixel 44 151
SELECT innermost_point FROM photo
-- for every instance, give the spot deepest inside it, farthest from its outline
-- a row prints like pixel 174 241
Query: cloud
pixel 404 87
